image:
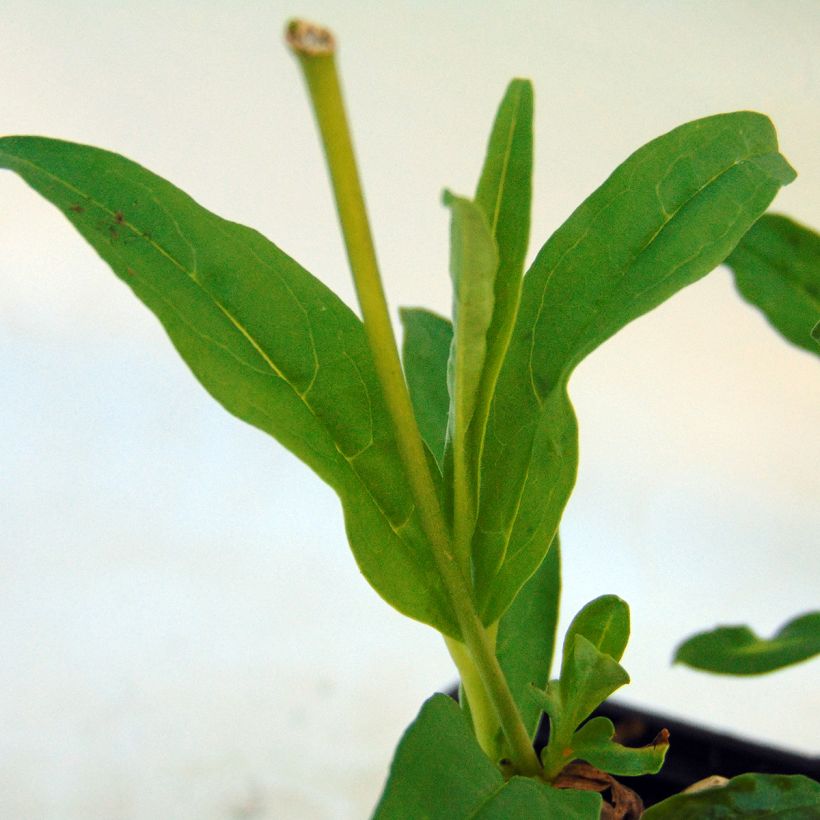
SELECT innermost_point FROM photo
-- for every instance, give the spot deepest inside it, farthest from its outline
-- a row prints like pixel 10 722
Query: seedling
pixel 454 468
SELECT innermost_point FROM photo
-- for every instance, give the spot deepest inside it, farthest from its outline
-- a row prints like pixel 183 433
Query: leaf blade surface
pixel 736 650
pixel 777 269
pixel 272 344
pixel 667 216
pixel 786 797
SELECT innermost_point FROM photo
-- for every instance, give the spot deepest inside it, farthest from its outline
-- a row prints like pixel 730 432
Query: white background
pixel 183 631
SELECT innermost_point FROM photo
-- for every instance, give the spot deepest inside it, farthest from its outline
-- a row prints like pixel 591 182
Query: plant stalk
pixel 315 47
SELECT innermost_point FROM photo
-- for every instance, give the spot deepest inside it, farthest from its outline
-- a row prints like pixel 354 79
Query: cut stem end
pixel 308 39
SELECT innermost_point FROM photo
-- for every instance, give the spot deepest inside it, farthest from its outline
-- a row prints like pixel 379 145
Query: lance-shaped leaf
pixel 440 773
pixel 666 217
pixel 736 650
pixel 526 632
pixel 504 194
pixel 272 344
pixel 777 269
pixel 526 636
pixel 425 351
pixel 473 265
pixel 786 797
pixel 594 743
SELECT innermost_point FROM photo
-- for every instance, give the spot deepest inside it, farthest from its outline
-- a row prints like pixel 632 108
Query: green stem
pixel 314 46
pixel 482 713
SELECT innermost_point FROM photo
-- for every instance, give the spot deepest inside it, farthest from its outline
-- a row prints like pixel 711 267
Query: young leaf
pixel 588 676
pixel 666 217
pixel 440 773
pixel 777 269
pixel 425 351
pixel 526 635
pixel 504 194
pixel 588 679
pixel 473 265
pixel 604 622
pixel 272 344
pixel 786 797
pixel 524 797
pixel 593 742
pixel 736 650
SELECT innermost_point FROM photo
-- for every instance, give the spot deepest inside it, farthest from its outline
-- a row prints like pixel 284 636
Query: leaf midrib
pixel 237 324
pixel 569 365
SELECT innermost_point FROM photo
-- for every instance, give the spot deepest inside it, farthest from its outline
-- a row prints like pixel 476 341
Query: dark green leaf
pixel 425 351
pixel 604 622
pixel 525 798
pixel 438 771
pixel 666 217
pixel 593 742
pixel 736 650
pixel 265 338
pixel 526 635
pixel 786 797
pixel 777 269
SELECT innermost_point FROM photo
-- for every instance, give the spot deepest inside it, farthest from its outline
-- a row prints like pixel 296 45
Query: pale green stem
pixel 315 47
pixel 482 712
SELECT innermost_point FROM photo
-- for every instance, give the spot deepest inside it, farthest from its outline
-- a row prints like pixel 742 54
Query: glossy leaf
pixel 425 351
pixel 440 773
pixel 523 797
pixel 736 650
pixel 786 797
pixel 594 743
pixel 526 635
pixel 604 622
pixel 666 217
pixel 777 269
pixel 272 344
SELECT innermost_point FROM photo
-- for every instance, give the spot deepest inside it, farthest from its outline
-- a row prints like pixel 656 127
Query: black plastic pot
pixel 694 753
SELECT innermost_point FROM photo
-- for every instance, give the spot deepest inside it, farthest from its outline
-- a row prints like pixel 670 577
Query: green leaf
pixel 666 217
pixel 272 344
pixel 523 797
pixel 604 622
pixel 504 194
pixel 473 265
pixel 438 770
pixel 425 351
pixel 777 269
pixel 736 650
pixel 440 773
pixel 526 635
pixel 786 797
pixel 593 742
pixel 587 680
